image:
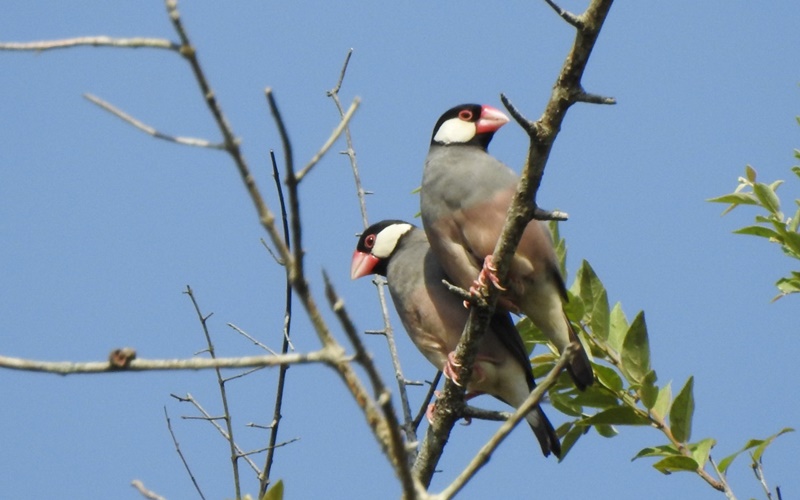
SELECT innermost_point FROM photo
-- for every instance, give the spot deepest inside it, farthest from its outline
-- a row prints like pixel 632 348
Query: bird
pixel 464 199
pixel 434 319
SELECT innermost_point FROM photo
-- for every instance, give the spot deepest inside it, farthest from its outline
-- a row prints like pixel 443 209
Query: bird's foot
pixel 450 370
pixel 489 273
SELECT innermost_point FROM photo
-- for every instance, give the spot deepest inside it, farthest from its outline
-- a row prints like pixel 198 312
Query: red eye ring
pixel 465 115
pixel 369 241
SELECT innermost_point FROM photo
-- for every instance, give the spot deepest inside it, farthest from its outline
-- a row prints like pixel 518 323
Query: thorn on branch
pixel 542 214
pixel 527 125
pixel 594 98
pixel 466 296
pixel 569 17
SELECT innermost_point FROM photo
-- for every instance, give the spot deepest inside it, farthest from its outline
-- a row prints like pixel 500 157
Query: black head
pixel 376 246
pixel 472 124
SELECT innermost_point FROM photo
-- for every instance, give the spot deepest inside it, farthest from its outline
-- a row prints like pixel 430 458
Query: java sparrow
pixel 434 319
pixel 464 200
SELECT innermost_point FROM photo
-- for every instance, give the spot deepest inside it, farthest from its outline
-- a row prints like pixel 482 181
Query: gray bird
pixel 434 319
pixel 464 200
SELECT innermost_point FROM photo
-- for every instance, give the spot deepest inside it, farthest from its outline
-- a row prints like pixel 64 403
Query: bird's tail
pixel 579 367
pixel 545 433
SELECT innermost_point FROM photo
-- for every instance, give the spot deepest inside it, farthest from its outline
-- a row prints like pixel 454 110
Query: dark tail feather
pixel 548 439
pixel 579 367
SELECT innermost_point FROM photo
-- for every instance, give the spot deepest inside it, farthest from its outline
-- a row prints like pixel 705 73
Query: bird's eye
pixel 369 241
pixel 465 115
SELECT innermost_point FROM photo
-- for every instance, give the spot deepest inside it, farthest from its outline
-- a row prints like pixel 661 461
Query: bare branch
pixel 186 141
pixel 332 139
pixel 180 454
pixel 226 435
pixel 142 489
pixel 92 41
pixel 327 356
pixel 222 393
pixel 252 339
pixel 264 478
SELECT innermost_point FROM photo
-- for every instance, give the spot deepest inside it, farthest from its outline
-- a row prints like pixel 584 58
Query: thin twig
pixel 350 152
pixel 722 479
pixel 331 140
pixel 252 339
pixel 427 400
pixel 264 479
pixel 758 470
pixel 186 141
pixel 388 331
pixel 569 17
pixel 213 421
pixel 180 454
pixel 142 489
pixel 222 393
pixel 92 41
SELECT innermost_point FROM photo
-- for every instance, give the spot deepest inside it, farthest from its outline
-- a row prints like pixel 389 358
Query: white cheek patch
pixel 455 130
pixel 386 240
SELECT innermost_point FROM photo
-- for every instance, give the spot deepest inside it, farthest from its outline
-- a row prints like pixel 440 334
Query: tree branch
pixel 92 41
pixel 186 141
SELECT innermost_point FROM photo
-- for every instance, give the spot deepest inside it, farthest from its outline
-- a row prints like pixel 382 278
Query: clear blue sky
pixel 103 227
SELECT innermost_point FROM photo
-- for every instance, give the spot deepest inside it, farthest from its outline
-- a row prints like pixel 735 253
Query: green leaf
pixel 750 173
pixel 620 415
pixel 636 350
pixel 662 402
pixel 796 169
pixel 617 327
pixel 607 431
pixel 596 397
pixel 608 377
pixel 753 443
pixel 761 231
pixel 787 286
pixel 570 437
pixel 595 299
pixel 274 493
pixel 666 450
pixel 676 464
pixel 531 335
pixel 648 391
pixel 560 246
pixel 766 195
pixel 574 308
pixel 768 441
pixel 701 450
pixel 565 404
pixel 735 199
pixel 681 413
pixel 795 222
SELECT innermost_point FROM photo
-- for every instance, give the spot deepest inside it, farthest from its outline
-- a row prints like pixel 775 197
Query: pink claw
pixel 488 272
pixel 450 368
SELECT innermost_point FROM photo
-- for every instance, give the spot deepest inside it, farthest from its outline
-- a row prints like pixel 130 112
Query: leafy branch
pixel 774 225
pixel 626 392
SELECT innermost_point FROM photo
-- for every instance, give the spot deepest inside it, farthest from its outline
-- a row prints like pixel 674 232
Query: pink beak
pixel 491 119
pixel 362 264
